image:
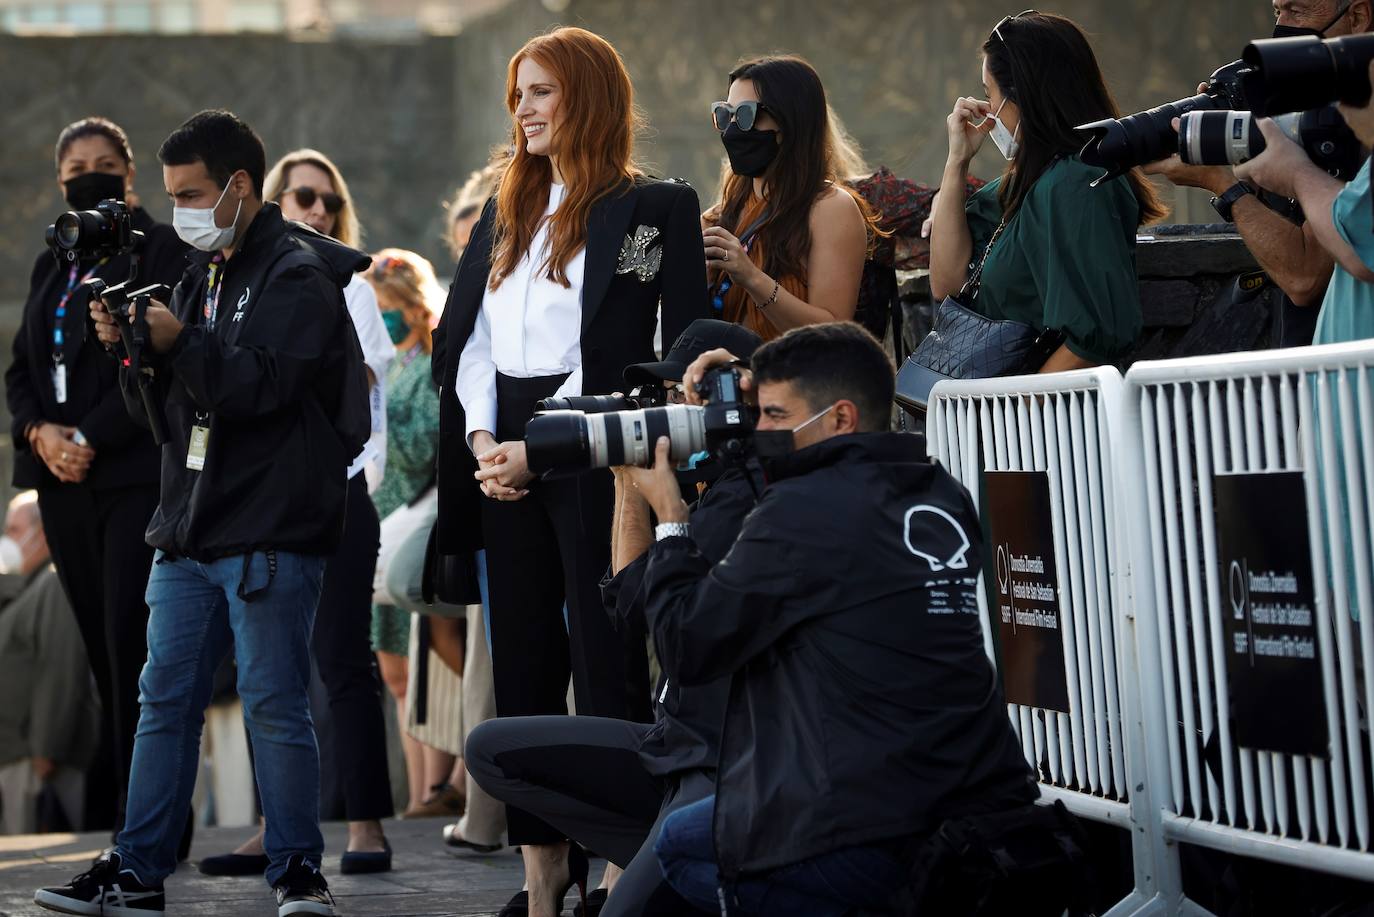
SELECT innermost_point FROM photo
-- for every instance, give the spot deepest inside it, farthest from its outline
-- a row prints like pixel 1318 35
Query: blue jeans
pixel 195 618
pixel 830 884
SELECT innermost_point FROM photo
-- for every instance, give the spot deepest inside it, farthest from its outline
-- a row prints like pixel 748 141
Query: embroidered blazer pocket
pixel 636 257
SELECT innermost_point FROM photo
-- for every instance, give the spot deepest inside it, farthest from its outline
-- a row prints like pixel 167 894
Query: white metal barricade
pixel 1185 422
pixel 1092 757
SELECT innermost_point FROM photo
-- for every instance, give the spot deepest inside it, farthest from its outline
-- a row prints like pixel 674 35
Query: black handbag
pixel 966 345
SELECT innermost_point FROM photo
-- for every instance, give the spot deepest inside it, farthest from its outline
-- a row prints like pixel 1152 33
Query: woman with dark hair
pixel 785 245
pixel 95 470
pixel 558 291
pixel 1047 249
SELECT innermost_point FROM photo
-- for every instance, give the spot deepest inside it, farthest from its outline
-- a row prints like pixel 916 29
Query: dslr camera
pixel 1120 145
pixel 105 232
pixel 569 439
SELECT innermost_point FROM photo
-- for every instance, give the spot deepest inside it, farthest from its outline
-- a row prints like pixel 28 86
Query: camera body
pixel 1121 145
pixel 105 232
pixel 1214 138
pixel 569 440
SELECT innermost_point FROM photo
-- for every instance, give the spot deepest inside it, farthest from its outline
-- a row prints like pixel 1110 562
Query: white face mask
pixel 11 555
pixel 1006 141
pixel 196 225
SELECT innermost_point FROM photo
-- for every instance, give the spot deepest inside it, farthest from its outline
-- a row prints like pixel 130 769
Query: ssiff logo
pixel 238 308
pixel 934 536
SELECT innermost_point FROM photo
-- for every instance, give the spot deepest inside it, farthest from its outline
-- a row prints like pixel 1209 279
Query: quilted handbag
pixel 966 345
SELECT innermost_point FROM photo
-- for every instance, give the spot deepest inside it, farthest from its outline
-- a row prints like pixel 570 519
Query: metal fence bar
pixel 1309 410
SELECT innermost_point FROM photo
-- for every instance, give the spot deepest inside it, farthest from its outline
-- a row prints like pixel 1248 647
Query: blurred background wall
pixel 407 95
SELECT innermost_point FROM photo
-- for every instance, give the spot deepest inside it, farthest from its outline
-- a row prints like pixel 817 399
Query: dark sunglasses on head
pixel 745 114
pixel 305 199
pixel 997 29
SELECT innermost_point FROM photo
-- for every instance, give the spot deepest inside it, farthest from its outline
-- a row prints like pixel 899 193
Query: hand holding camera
pixel 1278 167
pixel 658 485
pixel 697 370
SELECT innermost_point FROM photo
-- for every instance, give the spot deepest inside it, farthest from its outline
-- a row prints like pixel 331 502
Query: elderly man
pixel 1284 244
pixel 50 721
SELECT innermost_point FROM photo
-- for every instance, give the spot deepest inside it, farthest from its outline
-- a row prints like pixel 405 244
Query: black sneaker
pixel 302 890
pixel 105 890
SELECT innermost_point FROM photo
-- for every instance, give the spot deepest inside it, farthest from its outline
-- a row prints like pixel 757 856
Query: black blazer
pixel 124 452
pixel 618 319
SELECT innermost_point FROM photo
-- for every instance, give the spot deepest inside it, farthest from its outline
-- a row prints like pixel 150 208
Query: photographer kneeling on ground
pixel 863 711
pixel 610 783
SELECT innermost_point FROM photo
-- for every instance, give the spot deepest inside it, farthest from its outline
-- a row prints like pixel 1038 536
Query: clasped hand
pixel 502 469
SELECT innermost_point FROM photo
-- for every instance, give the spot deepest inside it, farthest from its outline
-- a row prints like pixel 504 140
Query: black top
pixel 619 312
pixel 124 452
pixel 862 706
pixel 686 730
pixel 280 383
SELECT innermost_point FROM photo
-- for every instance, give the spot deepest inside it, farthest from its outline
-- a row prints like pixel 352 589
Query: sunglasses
pixel 745 114
pixel 306 197
pixel 997 29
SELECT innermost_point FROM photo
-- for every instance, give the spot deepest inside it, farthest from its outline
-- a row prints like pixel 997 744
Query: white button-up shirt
pixel 529 326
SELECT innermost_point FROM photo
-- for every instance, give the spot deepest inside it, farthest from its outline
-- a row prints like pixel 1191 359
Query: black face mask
pixel 750 152
pixel 90 188
pixel 1294 31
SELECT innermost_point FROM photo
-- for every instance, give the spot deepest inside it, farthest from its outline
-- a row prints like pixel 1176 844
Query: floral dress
pixel 412 445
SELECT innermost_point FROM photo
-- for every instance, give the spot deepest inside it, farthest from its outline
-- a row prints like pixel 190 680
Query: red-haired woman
pixel 558 291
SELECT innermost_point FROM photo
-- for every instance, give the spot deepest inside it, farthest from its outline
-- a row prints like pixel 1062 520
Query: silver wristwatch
pixel 672 530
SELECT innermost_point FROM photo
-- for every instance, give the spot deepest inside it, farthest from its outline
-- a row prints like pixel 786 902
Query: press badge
pixel 200 442
pixel 59 382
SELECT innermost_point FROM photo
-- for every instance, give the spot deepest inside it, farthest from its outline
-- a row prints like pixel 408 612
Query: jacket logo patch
pixel 238 308
pixel 936 537
pixel 635 256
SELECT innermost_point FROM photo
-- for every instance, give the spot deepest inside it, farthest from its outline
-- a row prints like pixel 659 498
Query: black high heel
pixel 519 906
pixel 577 874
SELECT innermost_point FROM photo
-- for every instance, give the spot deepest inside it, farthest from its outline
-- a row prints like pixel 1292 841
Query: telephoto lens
pixel 1218 138
pixel 1306 72
pixel 591 404
pixel 575 441
pixel 1119 145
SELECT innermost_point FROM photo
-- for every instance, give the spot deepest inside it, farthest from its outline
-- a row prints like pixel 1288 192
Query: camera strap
pixel 73 281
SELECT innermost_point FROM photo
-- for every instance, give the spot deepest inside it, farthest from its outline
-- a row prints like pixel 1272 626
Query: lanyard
pixel 213 288
pixel 58 339
pixel 746 239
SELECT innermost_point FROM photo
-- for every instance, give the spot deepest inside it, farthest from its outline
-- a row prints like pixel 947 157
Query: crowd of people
pixel 346 486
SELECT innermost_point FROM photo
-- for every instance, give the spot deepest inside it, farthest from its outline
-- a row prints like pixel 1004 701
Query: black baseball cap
pixel 702 335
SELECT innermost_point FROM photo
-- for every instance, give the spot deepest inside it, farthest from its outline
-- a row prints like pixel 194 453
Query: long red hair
pixel 594 144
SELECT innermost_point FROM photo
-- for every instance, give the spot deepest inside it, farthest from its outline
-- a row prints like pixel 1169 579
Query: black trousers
pixel 353 759
pixel 96 538
pixel 550 549
pixel 584 776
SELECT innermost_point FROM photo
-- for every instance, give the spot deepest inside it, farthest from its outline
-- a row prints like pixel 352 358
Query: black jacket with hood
pixel 862 706
pixel 279 381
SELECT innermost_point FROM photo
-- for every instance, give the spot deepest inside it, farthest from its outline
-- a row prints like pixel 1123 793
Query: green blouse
pixel 1065 261
pixel 412 432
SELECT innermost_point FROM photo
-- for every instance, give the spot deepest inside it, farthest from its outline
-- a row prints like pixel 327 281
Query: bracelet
pixel 672 530
pixel 777 285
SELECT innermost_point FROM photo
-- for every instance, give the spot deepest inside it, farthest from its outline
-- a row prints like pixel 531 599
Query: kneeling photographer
pixel 610 783
pixel 863 711
pixel 1284 244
